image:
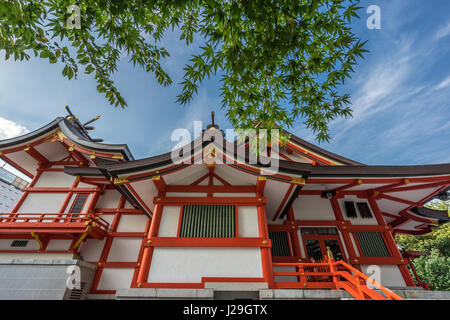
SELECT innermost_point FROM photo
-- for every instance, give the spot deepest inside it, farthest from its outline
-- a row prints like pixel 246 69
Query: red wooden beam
pixel 209 242
pixel 243 201
pixel 159 183
pixel 221 180
pixel 395 199
pixel 32 152
pixel 260 184
pixel 212 189
pixel 78 155
pixel 398 221
pixel 283 202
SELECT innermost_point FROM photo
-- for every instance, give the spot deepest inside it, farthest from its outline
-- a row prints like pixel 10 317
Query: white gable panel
pixel 389 206
pixel 187 175
pixel 414 195
pixel 52 151
pixel 24 160
pixel 234 176
pixel 146 190
pixel 274 193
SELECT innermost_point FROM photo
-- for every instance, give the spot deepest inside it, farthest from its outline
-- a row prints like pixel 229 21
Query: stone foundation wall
pixel 39 279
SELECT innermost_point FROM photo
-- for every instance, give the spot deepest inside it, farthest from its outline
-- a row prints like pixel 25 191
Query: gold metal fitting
pixel 139 285
pixel 298 180
pixel 149 241
pixel 264 242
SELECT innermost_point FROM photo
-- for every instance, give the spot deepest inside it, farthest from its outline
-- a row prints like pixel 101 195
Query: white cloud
pixel 443 32
pixel 444 84
pixel 10 129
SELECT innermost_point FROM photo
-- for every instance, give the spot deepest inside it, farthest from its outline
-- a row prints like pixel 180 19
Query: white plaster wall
pixel 171 264
pixel 58 245
pixel 248 222
pixel 390 275
pixel 132 223
pixel 169 221
pixel 125 249
pixel 109 200
pixel 115 278
pixel 5 244
pixel 42 203
pixel 285 278
pixel 313 208
pixel 91 249
pixel 55 179
pixel 358 220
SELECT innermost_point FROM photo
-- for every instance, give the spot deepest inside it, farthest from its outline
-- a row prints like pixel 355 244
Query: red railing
pixel 334 275
pixel 52 220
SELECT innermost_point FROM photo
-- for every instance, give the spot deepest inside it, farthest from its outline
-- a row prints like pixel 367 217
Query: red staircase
pixel 336 275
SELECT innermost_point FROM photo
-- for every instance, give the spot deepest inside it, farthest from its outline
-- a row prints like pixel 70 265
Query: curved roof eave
pixel 31 135
pixel 328 154
pixel 381 171
pixel 72 134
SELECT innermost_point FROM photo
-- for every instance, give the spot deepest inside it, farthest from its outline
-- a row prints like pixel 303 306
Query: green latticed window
pixel 372 244
pixel 280 243
pixel 208 221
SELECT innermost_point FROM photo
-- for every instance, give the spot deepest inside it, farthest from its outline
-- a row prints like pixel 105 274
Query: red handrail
pixel 331 274
pixel 55 218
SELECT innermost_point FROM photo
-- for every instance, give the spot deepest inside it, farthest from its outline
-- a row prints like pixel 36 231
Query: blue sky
pixel 400 94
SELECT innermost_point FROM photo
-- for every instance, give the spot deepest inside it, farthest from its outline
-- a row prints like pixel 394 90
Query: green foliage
pixel 279 60
pixel 435 267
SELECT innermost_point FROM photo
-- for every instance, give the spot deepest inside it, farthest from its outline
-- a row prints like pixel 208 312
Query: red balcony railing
pixel 53 223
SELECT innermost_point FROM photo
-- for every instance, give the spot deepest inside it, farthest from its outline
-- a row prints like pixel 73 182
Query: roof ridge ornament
pixel 83 128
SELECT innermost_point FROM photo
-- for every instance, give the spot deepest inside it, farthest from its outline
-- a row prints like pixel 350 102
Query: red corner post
pixel 148 250
pixel 391 243
pixel 266 255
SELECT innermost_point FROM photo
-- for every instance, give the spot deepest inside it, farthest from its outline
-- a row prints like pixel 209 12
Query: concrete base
pixel 165 294
pixel 42 279
pixel 294 294
pixel 265 294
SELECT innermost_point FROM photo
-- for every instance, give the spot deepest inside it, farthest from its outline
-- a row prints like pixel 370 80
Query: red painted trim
pixel 226 183
pixel 208 242
pixel 250 201
pixel 212 189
